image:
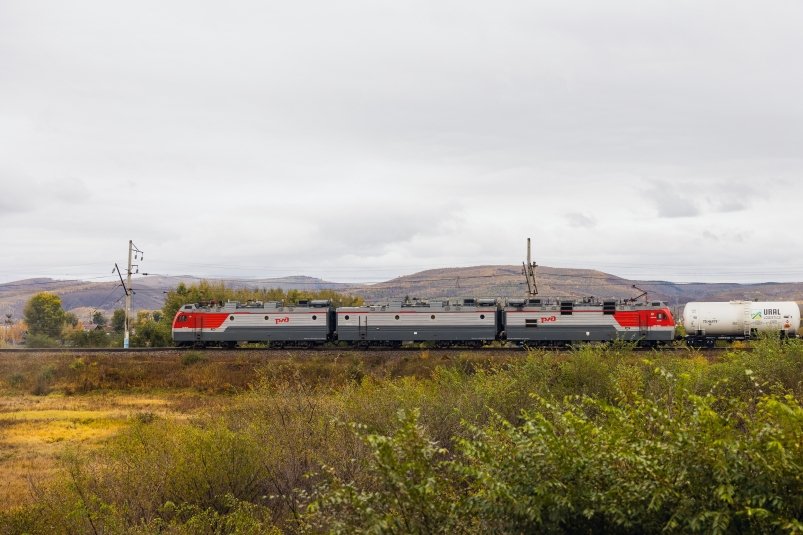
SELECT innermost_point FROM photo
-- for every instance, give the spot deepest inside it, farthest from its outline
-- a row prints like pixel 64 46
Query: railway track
pixel 324 349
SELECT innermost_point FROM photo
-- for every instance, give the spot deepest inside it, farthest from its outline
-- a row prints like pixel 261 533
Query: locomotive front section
pixel 233 322
pixel 560 322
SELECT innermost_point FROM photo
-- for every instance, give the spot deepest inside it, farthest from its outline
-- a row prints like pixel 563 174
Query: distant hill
pixel 493 281
pixel 84 297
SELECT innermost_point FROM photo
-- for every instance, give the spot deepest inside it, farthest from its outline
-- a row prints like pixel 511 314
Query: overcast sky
pixel 362 140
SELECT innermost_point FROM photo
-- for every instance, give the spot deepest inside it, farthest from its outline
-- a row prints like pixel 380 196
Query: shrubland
pixel 594 440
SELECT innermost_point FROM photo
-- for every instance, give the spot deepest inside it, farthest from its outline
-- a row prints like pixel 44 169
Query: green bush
pixel 16 380
pixel 240 517
pixel 151 333
pixel 93 338
pixel 43 384
pixel 583 465
pixel 407 492
pixel 193 357
pixel 41 341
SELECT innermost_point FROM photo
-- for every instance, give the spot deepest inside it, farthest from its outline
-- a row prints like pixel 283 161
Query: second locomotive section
pixel 468 322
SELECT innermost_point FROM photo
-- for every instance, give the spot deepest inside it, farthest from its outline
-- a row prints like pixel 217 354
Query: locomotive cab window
pixel 182 318
pixel 661 316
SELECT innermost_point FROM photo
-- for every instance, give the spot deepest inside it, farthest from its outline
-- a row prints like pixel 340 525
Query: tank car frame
pixel 707 322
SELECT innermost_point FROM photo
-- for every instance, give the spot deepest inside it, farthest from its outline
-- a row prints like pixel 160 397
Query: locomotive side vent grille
pixel 566 308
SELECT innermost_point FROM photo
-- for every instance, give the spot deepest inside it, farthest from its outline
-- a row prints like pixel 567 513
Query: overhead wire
pixel 105 299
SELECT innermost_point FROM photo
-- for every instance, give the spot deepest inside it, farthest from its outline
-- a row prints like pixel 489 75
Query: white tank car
pixel 741 318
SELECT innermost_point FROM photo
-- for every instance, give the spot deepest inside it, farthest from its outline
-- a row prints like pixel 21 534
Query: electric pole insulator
pixel 528 270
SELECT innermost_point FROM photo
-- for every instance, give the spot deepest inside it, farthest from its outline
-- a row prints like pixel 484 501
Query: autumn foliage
pixel 598 440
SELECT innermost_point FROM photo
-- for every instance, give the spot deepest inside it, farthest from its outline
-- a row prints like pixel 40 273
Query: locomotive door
pixel 362 327
pixel 643 324
pixel 198 327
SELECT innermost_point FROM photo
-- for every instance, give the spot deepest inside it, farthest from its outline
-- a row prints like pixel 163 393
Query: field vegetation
pixel 594 440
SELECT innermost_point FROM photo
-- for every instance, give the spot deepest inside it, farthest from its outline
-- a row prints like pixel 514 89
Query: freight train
pixel 475 322
pixel 463 322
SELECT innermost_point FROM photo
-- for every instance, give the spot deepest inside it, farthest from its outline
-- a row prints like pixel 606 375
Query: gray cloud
pixel 710 235
pixel 357 137
pixel 672 203
pixel 731 205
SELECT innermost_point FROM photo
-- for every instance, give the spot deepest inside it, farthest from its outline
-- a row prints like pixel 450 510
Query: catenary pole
pixel 128 293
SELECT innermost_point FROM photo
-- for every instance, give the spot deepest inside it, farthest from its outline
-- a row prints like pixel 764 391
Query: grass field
pixel 35 430
pixel 51 402
pixel 593 440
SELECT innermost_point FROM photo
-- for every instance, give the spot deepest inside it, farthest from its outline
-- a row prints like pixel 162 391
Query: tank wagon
pixel 707 322
pixel 465 322
pixel 554 321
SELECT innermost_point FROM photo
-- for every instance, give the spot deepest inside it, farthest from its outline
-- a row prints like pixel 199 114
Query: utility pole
pixel 528 270
pixel 8 329
pixel 133 251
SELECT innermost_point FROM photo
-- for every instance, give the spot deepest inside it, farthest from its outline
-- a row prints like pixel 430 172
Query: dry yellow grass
pixel 36 430
pixel 83 400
